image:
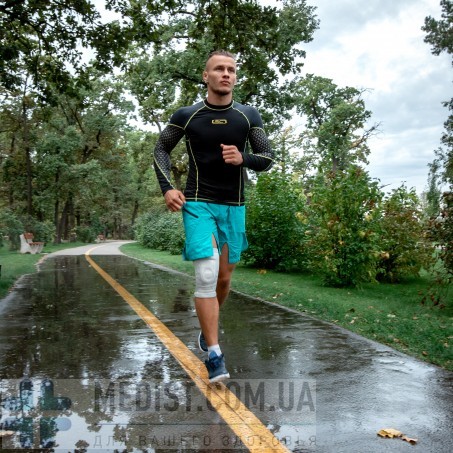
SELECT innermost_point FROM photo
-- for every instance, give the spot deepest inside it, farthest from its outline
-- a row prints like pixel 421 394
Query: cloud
pixel 379 45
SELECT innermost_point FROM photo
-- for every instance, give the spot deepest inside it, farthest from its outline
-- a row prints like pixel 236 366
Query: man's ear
pixel 205 76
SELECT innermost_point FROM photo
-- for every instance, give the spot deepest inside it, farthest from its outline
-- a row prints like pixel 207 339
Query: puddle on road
pixel 65 325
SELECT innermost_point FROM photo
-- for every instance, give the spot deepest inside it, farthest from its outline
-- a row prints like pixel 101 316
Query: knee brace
pixel 206 273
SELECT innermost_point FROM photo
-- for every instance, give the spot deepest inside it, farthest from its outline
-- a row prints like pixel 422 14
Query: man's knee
pixel 225 270
pixel 224 280
pixel 206 274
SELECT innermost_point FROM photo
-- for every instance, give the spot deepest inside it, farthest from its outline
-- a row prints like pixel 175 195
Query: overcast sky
pixel 378 45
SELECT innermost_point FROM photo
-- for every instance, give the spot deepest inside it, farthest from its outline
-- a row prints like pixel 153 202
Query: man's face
pixel 220 74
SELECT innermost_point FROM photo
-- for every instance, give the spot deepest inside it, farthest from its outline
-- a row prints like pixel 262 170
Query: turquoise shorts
pixel 203 220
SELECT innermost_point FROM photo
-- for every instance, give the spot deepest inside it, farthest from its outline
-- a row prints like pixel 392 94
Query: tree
pixel 20 122
pixel 140 176
pixel 78 159
pixel 38 36
pixel 64 139
pixel 336 119
pixel 275 229
pixel 266 39
pixel 433 195
pixel 46 39
pixel 439 33
pixel 343 226
pixel 405 248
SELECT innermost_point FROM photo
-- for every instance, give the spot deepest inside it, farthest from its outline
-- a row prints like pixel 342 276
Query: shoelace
pixel 214 362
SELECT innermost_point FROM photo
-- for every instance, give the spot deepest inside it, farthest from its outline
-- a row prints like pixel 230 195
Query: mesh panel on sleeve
pixel 262 157
pixel 168 139
pixel 260 143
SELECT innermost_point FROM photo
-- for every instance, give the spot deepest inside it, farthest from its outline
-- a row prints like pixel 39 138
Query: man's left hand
pixel 231 155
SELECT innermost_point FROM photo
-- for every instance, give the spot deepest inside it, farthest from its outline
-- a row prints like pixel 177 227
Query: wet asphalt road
pixel 315 386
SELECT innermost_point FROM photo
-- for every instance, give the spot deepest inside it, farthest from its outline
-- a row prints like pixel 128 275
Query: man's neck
pixel 215 99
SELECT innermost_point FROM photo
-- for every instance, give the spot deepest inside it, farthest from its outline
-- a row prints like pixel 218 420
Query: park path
pixel 312 385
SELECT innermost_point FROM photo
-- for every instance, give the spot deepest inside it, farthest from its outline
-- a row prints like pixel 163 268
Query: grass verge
pixel 14 264
pixel 388 313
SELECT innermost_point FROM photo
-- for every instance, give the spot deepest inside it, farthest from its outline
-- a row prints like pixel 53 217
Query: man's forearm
pixel 168 139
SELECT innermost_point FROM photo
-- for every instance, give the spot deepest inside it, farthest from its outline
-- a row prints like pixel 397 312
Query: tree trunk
pixel 135 212
pixel 55 221
pixel 56 210
pixel 29 182
pixel 11 185
pixel 27 158
pixel 63 222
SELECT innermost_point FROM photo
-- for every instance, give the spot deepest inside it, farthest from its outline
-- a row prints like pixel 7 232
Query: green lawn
pixel 390 314
pixel 14 264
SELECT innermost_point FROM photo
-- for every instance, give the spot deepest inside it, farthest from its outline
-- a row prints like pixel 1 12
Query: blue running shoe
pixel 202 342
pixel 216 367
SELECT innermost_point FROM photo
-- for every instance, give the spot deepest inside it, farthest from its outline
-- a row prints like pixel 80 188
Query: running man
pixel 216 132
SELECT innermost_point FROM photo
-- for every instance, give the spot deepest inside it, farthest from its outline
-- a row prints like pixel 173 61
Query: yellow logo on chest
pixel 219 122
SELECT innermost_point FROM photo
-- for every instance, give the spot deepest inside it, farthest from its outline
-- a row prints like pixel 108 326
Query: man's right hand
pixel 174 199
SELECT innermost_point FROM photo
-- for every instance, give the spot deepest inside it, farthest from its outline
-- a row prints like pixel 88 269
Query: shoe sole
pixel 219 378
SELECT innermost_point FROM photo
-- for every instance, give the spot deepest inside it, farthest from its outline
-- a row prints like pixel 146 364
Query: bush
pixel 275 229
pixel 11 227
pixel 344 222
pixel 42 231
pixel 86 234
pixel 405 247
pixel 161 230
pixel 441 232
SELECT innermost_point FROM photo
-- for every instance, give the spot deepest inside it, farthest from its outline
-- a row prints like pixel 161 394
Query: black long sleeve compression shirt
pixel 205 127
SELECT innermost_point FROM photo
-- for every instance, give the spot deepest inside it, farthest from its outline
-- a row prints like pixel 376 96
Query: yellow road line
pixel 254 435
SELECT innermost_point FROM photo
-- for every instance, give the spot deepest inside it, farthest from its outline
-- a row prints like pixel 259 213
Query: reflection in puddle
pixel 109 414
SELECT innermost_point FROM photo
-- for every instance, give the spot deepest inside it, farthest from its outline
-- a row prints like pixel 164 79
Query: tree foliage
pixel 161 230
pixel 405 246
pixel 274 231
pixel 71 155
pixel 343 226
pixel 47 39
pixel 266 40
pixel 439 33
pixel 335 120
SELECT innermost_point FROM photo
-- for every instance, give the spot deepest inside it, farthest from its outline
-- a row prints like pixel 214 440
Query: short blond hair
pixel 223 53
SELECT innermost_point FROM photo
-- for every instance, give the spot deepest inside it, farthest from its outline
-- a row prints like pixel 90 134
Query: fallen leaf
pixel 424 353
pixel 394 433
pixel 390 432
pixel 261 271
pixel 410 440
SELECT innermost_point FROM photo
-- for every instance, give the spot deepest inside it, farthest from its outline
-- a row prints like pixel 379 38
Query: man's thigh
pixel 200 227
